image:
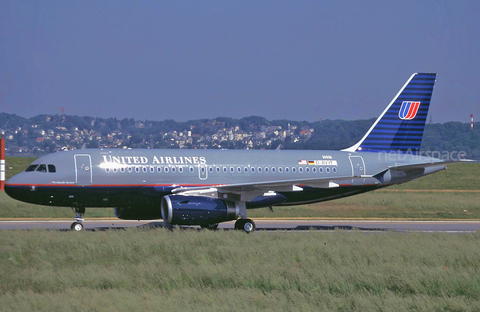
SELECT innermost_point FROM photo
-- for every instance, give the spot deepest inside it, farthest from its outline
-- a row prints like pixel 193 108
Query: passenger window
pixel 31 168
pixel 42 168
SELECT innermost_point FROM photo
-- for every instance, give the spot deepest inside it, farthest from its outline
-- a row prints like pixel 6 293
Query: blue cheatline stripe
pixel 391 137
pixel 396 127
pixel 399 132
pixel 424 78
pixel 413 96
pixel 398 121
pixel 404 123
pixel 419 90
pixel 389 143
pixel 394 117
pixel 390 147
pixel 408 151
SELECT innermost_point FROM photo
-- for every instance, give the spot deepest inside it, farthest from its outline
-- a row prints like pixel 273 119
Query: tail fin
pixel 400 126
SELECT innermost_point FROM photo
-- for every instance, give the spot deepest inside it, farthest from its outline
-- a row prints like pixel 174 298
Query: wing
pixel 248 191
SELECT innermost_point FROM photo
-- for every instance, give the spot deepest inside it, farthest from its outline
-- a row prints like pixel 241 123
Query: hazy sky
pixel 186 60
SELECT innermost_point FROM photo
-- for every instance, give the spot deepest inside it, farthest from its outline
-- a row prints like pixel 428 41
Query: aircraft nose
pixel 14 188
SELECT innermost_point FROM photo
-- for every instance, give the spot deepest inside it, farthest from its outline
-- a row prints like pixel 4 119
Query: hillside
pixel 47 133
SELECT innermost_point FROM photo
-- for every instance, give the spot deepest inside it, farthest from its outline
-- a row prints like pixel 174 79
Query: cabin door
pixel 83 169
pixel 358 169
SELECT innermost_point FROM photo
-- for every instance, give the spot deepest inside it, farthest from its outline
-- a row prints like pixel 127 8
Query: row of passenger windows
pixel 218 169
pixel 41 168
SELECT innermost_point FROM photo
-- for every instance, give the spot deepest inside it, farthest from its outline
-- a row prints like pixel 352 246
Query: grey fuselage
pixel 141 177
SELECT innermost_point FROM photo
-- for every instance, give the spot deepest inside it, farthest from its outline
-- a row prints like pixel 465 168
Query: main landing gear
pixel 78 225
pixel 246 225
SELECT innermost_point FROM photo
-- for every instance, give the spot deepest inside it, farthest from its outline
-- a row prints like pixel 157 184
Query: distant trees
pixel 328 134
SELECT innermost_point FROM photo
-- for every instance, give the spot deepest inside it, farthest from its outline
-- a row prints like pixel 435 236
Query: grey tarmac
pixel 264 225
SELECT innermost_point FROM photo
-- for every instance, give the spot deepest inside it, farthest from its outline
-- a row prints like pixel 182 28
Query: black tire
pixel 249 226
pixel 76 226
pixel 239 224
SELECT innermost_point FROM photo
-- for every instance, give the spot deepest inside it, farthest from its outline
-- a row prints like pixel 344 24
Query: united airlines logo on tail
pixel 409 110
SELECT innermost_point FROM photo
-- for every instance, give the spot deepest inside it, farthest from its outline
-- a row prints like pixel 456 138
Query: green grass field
pixel 189 270
pixel 451 194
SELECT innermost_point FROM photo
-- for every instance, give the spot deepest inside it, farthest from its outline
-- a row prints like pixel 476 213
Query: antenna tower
pixel 63 113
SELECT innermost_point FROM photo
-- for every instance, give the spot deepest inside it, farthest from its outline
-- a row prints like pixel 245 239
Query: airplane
pixel 207 187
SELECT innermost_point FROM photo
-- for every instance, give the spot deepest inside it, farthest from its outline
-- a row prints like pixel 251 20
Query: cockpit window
pixel 42 168
pixel 31 168
pixel 51 168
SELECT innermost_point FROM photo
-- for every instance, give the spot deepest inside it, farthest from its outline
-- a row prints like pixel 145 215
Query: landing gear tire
pixel 246 225
pixel 211 227
pixel 76 226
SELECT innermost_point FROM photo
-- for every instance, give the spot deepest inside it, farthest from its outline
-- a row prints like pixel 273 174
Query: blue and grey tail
pixel 400 127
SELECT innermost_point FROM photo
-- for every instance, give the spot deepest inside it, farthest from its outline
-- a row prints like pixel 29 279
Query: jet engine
pixel 197 210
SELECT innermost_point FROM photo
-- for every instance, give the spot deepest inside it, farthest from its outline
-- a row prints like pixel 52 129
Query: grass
pixel 188 270
pixel 184 270
pixel 450 194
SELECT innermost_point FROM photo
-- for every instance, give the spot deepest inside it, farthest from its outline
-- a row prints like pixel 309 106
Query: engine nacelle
pixel 127 213
pixel 197 210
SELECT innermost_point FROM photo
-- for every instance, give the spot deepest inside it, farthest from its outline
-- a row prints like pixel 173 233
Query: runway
pixel 265 225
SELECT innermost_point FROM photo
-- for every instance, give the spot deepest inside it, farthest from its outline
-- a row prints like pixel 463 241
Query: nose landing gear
pixel 78 225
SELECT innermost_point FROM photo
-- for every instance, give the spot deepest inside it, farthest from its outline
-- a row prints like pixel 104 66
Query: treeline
pixel 327 134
